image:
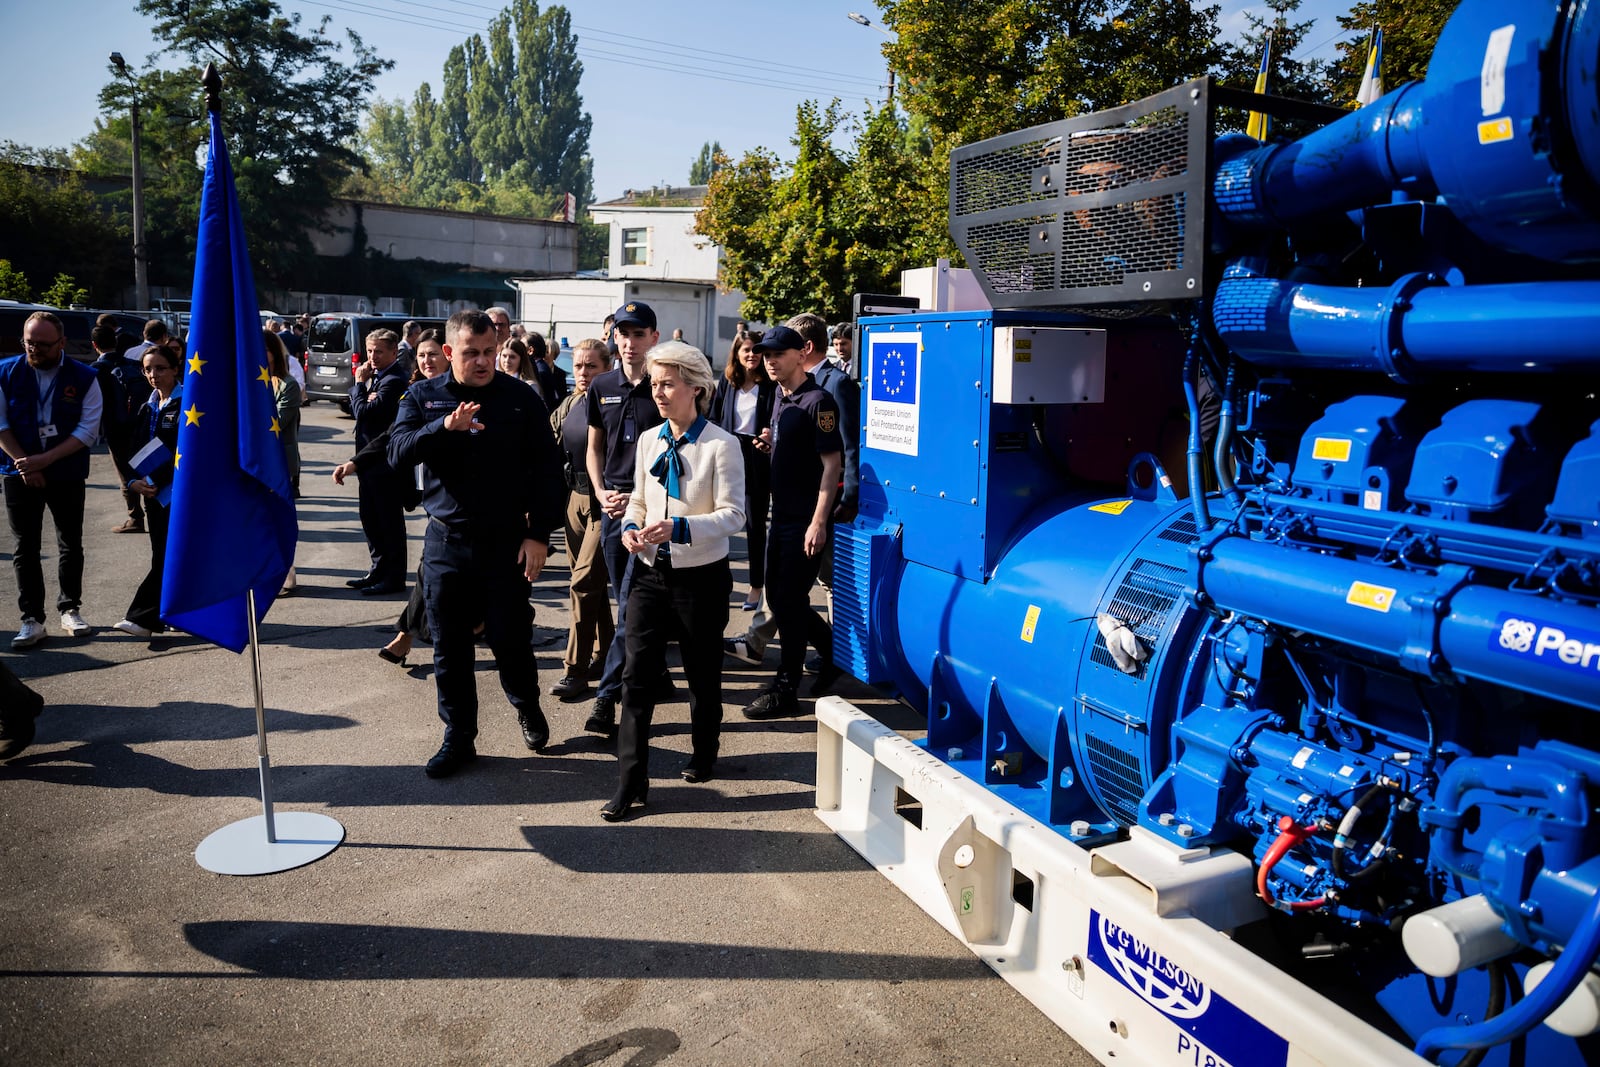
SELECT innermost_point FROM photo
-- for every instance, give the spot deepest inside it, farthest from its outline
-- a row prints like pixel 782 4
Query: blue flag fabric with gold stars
pixel 233 524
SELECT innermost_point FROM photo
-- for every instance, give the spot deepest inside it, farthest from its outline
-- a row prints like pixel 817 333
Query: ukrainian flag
pixel 233 521
pixel 1260 124
pixel 1372 80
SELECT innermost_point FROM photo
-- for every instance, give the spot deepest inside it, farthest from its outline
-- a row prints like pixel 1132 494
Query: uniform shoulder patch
pixel 825 421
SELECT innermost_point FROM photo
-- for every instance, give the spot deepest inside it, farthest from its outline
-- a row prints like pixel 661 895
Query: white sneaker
pixel 74 625
pixel 128 626
pixel 31 633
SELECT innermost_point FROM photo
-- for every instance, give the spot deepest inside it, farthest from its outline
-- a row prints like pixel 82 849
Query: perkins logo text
pixel 1529 639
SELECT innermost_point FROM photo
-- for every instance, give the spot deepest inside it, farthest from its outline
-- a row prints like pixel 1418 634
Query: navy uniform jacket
pixel 805 427
pixel 502 480
pixel 623 413
pixel 846 392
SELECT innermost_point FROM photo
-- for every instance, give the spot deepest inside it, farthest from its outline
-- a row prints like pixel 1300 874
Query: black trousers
pixel 383 521
pixel 468 579
pixel 790 575
pixel 146 607
pixel 688 605
pixel 757 502
pixel 25 508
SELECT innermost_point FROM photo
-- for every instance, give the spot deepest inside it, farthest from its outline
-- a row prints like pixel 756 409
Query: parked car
pixel 77 322
pixel 337 342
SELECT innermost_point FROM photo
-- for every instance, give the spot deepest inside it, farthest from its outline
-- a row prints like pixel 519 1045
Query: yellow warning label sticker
pixel 1030 623
pixel 1369 596
pixel 1022 355
pixel 1494 130
pixel 1112 507
pixel 1333 449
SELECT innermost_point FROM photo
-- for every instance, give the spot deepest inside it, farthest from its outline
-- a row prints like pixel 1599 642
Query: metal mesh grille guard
pixel 1095 211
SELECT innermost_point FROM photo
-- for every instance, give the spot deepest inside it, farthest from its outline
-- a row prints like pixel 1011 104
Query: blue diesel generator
pixel 1244 562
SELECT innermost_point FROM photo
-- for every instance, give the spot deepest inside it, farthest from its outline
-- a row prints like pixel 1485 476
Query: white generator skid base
pixel 1125 946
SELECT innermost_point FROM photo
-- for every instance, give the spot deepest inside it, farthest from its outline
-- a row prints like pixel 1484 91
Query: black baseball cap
pixel 780 339
pixel 636 313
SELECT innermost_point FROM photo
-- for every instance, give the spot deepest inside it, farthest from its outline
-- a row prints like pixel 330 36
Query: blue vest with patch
pixel 73 380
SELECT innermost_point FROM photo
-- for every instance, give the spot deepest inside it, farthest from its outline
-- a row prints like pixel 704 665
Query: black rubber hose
pixel 1497 1003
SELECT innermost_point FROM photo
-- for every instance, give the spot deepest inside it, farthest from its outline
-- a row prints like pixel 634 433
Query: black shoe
pixel 383 588
pixel 16 733
pixel 535 730
pixel 449 759
pixel 813 664
pixel 603 719
pixel 617 807
pixel 362 582
pixel 738 648
pixel 775 703
pixel 828 676
pixel 571 687
pixel 390 657
pixel 698 771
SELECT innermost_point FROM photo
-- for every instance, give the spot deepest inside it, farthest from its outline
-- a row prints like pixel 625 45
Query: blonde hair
pixel 692 367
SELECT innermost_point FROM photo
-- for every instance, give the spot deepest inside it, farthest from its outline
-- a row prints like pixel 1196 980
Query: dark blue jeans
pixel 468 578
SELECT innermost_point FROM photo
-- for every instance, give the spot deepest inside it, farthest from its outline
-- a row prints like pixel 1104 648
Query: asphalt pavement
pixel 490 918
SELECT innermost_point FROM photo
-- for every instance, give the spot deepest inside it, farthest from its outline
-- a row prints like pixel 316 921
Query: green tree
pixel 1286 75
pixel 808 235
pixel 507 134
pixel 64 292
pixel 51 222
pixel 13 283
pixel 1410 31
pixel 290 101
pixel 705 164
pixel 979 68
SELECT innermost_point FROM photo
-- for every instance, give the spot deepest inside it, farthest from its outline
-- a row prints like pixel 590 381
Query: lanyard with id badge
pixel 47 428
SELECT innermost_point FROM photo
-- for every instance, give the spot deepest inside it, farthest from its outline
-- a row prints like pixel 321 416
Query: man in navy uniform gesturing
pixel 492 489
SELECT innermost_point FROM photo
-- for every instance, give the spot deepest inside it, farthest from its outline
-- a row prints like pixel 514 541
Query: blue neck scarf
pixel 668 467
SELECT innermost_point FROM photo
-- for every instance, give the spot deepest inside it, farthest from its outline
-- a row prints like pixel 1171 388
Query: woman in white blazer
pixel 688 500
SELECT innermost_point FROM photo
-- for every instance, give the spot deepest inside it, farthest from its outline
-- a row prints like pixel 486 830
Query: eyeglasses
pixel 40 346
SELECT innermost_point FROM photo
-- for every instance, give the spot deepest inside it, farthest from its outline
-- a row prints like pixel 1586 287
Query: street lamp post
pixel 141 268
pixel 862 20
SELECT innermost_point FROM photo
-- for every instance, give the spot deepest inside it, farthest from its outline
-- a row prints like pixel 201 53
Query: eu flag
pixel 894 371
pixel 233 525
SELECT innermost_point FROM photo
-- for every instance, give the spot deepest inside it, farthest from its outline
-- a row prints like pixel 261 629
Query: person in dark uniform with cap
pixel 621 408
pixel 807 457
pixel 493 493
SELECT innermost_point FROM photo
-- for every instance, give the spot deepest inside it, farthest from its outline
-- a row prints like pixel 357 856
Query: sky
pixel 661 77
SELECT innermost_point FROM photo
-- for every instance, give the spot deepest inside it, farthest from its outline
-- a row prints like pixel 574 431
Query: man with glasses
pixel 502 325
pixel 492 489
pixel 49 417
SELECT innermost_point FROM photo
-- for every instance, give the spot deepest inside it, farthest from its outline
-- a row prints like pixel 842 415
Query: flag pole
pixel 249 846
pixel 262 758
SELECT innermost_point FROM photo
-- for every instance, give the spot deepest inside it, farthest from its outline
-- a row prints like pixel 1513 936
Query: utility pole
pixel 141 266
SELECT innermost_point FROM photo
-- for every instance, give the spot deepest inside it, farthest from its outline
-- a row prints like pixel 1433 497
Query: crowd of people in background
pixel 650 465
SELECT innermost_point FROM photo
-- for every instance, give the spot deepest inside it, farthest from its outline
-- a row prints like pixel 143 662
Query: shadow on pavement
pixel 641 849
pixel 339 951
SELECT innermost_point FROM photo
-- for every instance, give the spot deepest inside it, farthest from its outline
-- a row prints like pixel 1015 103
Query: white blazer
pixel 713 490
